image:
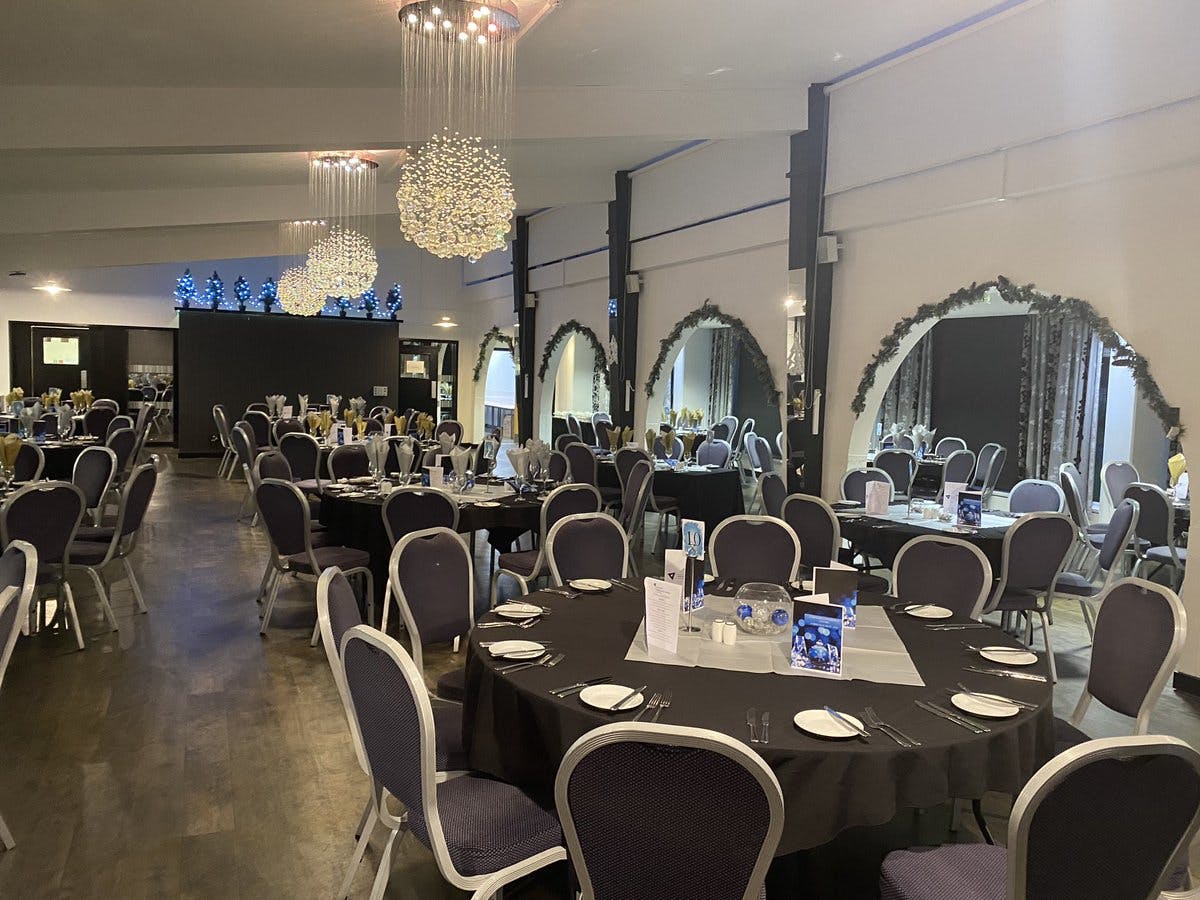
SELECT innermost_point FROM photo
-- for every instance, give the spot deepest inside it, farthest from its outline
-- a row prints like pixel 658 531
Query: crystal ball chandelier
pixel 342 264
pixel 456 198
pixel 296 294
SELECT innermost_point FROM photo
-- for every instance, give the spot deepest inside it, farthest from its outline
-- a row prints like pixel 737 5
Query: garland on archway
pixel 499 337
pixel 1039 302
pixel 707 313
pixel 599 356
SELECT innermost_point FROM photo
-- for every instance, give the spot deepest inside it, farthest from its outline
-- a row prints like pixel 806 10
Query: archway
pixel 573 375
pixel 494 340
pixel 1129 371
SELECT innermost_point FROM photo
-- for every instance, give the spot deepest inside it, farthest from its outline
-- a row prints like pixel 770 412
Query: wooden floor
pixel 185 756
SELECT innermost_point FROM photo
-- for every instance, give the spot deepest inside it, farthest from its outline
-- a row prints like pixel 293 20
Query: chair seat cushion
pixel 1100 529
pixel 522 562
pixel 87 553
pixel 952 872
pixel 664 504
pixel 453 685
pixel 872 584
pixel 1018 598
pixel 103 533
pixel 342 557
pixel 1067 736
pixel 448 726
pixel 490 825
pixel 1075 585
pixel 1163 554
pixel 312 484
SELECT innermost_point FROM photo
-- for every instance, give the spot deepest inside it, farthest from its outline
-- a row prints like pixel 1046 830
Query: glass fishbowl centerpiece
pixel 763 609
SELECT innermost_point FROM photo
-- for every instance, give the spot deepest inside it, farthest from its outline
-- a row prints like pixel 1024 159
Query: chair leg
pixel 369 588
pixel 103 595
pixel 368 818
pixel 262 629
pixel 133 585
pixel 266 579
pixel 73 613
pixel 1049 646
pixel 387 603
pixel 385 867
pixel 6 837
pixel 365 827
pixel 1087 618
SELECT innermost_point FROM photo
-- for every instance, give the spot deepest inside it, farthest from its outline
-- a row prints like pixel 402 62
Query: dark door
pixel 60 357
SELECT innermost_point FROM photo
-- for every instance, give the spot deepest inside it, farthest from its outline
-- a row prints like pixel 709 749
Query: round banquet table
pixel 61 456
pixel 709 495
pixel 883 538
pixel 515 730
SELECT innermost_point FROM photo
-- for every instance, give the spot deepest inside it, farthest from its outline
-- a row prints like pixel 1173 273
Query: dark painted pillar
pixel 808 160
pixel 526 320
pixel 623 305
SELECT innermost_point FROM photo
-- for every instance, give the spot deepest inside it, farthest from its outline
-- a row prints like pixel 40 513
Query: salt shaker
pixel 718 630
pixel 729 633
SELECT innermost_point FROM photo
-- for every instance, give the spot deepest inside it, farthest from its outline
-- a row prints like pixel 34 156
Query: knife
pixel 579 686
pixel 839 717
pixel 992 698
pixel 951 717
pixel 958 626
pixel 616 707
pixel 1003 673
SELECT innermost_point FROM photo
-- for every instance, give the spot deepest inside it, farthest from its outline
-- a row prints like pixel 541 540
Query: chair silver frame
pixel 1041 482
pixel 406 616
pixel 22 598
pixel 41 457
pixel 98 509
pixel 669 736
pixel 814 500
pixel 1174 562
pixel 946 540
pixel 1107 488
pixel 769 521
pixel 867 470
pixel 576 517
pixel 229 456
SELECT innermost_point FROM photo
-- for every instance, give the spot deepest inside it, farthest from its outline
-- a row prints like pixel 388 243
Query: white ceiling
pixel 140 116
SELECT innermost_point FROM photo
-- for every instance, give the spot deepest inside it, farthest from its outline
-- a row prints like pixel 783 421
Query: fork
pixel 766 728
pixel 751 716
pixel 655 699
pixel 547 662
pixel 663 704
pixel 890 730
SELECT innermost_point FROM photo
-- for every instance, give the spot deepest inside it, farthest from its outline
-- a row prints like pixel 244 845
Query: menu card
pixel 878 496
pixel 432 476
pixel 970 509
pixel 950 497
pixel 817 636
pixel 841 587
pixel 662 615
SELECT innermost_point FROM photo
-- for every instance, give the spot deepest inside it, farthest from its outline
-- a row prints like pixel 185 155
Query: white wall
pixel 1060 146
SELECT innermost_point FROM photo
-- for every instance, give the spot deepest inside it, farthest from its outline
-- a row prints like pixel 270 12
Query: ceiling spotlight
pixel 483 11
pixel 52 288
pixel 462 36
pixel 445 323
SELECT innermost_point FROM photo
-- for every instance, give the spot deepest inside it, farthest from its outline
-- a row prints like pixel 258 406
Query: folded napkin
pixel 11 446
pixel 650 436
pixel 673 417
pixel 351 415
pixel 303 398
pixel 377 451
pixel 520 462
pixel 1176 465
pixel 326 422
pixel 334 401
pixel 401 423
pixel 539 454
pixel 446 442
pixel 359 405
pixel 404 457
pixel 65 425
pixel 460 459
pixel 689 441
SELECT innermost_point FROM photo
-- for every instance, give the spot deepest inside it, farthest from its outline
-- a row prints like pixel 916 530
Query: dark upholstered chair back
pixel 568 500
pixel 948 445
pixel 93 474
pixel 412 509
pixel 122 442
pixel 450 427
pixel 242 439
pixel 560 467
pixel 285 513
pixel 946 571
pixel 854 483
pixel 337 613
pixel 432 577
pixel 662 451
pixel 116 423
pixel 1075 506
pixel 46 515
pixel 220 419
pixel 29 463
pixel 257 407
pixel 349 461
pixel 260 426
pixel 96 419
pixel 732 827
pixel 986 454
pixel 816 527
pixel 766 459
pixel 754 548
pixel 272 464
pixel 302 453
pixel 636 494
pixel 601 422
pixel 1035 495
pixel 773 491
pixel 626 458
pixel 713 452
pixel 1034 549
pixel 587 545
pixel 135 499
pixel 1122 528
pixel 959 466
pixel 287 426
pixel 900 465
pixel 1117 477
pixel 583 463
pixel 1156 515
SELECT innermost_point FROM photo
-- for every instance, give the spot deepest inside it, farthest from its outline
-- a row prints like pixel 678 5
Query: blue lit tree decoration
pixel 185 289
pixel 369 303
pixel 269 295
pixel 344 305
pixel 394 301
pixel 214 291
pixel 241 293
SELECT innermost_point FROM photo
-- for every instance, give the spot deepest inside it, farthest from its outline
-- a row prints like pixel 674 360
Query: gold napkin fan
pixel 11 447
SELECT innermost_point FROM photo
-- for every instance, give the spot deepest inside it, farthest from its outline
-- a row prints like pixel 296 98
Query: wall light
pixel 52 288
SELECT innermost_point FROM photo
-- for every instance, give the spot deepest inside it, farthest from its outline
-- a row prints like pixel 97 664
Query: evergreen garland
pixel 1070 307
pixel 600 358
pixel 504 340
pixel 706 313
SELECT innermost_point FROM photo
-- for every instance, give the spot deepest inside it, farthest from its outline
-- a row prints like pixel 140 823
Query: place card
pixel 841 587
pixel 817 636
pixel 432 476
pixel 950 497
pixel 662 615
pixel 878 496
pixel 287 412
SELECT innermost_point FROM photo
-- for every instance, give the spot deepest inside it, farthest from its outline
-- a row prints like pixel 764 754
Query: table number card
pixel 878 495
pixel 693 538
pixel 662 615
pixel 817 636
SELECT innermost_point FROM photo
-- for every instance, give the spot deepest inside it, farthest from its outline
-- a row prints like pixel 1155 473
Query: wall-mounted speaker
pixel 827 248
pixel 633 283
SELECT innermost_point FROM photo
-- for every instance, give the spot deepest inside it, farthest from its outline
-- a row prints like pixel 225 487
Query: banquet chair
pixel 46 515
pixel 779 444
pixel 635 496
pixel 228 456
pixel 285 426
pixel 18 577
pixel 573 426
pixel 749 455
pixel 93 473
pixel 587 545
pixel 432 576
pixel 1081 487
pixel 379 411
pixel 106 403
pixel 947 445
pixel 29 464
pixel 528 565
pixel 242 439
pixel 771 493
pixel 1156 531
pixel 601 423
pixel 906 442
pixel 564 440
pixel 142 427
pixel 289 527
pixel 258 407
pixel 559 469
pixel 1122 531
pixel 820 534
pixel 122 443
pixel 483 833
pixel 348 461
pixel 742 459
pixel 1036 495
pixel 995 467
pixel 731 428
pixel 581 460
pixel 337 613
pixel 260 427
pixel 715 843
pixel 754 548
pixel 374 426
pixel 900 465
pixel 957 469
pixel 662 451
pixel 417 508
pixel 273 464
pixel 116 423
pixel 661 505
pixel 1091 536
pixel 164 408
pixel 719 432
pixel 982 463
pixel 450 427
pixel 1033 557
pixel 96 419
pixel 93 556
pixel 713 452
pixel 763 458
pixel 854 484
pixel 945 570
pixel 1117 476
pixel 303 455
pixel 1106 820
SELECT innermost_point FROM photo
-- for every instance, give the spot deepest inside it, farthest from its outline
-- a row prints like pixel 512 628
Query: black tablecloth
pixel 711 496
pixel 882 538
pixel 516 731
pixel 60 459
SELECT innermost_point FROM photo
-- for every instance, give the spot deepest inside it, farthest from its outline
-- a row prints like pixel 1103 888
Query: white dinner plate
pixel 606 696
pixel 591 585
pixel 1008 656
pixel 822 724
pixel 335 488
pixel 709 579
pixel 986 706
pixel 928 612
pixel 517 649
pixel 487 504
pixel 352 494
pixel 517 610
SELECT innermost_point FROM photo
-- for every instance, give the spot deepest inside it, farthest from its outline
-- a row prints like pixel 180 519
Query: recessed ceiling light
pixel 720 70
pixel 52 288
pixel 445 323
pixel 838 57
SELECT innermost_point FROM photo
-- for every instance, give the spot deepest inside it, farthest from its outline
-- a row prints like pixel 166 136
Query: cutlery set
pixel 547 660
pixel 873 721
pixel 760 730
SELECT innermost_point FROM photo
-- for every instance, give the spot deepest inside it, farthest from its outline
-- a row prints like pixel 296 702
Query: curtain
pixel 723 374
pixel 910 394
pixel 1060 379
